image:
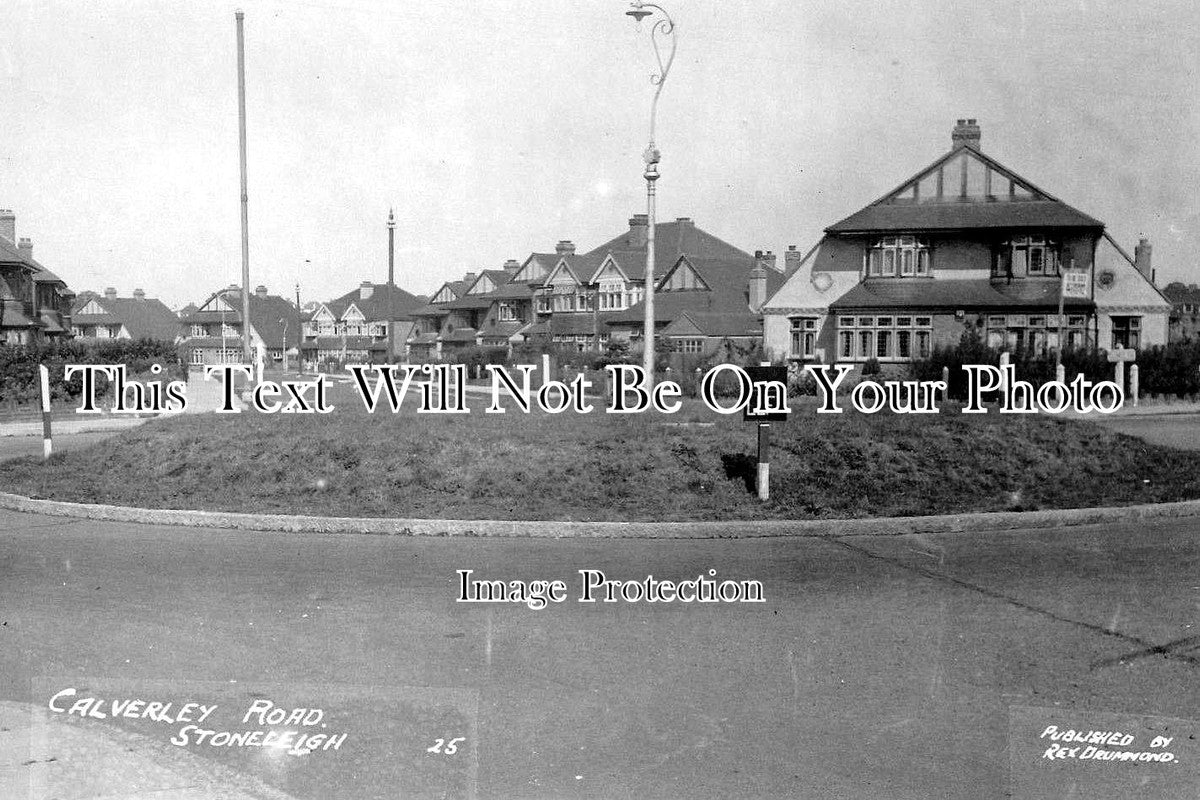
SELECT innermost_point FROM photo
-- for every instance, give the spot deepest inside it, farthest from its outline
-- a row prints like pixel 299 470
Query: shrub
pixel 19 366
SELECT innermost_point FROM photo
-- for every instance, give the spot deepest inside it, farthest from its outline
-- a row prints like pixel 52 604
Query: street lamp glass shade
pixel 638 13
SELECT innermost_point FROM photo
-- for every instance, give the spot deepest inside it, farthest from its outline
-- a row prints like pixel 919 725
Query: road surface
pixel 877 667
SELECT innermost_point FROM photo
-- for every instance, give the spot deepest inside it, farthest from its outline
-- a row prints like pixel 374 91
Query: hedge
pixel 19 382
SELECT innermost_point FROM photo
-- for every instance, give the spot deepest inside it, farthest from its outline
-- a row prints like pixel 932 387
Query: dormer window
pixel 1031 256
pixel 898 257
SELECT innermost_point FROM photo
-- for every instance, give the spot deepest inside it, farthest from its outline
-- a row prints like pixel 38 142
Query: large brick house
pixel 587 300
pixel 354 327
pixel 213 333
pixel 107 316
pixel 966 244
pixel 35 304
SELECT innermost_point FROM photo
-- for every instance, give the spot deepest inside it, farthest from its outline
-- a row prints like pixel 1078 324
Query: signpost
pixel 47 443
pixel 765 374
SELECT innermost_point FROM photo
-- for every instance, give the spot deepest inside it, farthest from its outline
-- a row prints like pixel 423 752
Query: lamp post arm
pixel 663 28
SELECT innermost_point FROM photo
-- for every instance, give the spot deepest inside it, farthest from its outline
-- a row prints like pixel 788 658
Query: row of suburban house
pixel 964 245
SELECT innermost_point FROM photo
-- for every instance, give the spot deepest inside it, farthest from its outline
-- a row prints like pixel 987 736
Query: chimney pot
pixel 8 225
pixel 966 132
pixel 1141 257
pixel 260 290
pixel 110 293
pixel 139 294
pixel 25 245
pixel 639 225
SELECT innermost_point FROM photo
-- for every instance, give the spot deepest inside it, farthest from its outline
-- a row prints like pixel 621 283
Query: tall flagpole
pixel 241 68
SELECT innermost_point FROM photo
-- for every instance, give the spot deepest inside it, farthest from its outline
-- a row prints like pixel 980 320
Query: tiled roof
pixel 725 323
pixel 568 324
pixel 502 330
pixel 1182 293
pixel 384 303
pixel 146 318
pixel 948 295
pixel 896 213
pixel 470 301
pixel 728 279
pixel 424 338
pixel 962 216
pixel 270 316
pixel 671 240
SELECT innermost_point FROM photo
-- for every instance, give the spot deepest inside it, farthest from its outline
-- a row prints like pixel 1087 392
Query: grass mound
pixel 602 467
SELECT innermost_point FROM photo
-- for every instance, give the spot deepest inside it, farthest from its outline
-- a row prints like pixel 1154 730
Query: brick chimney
pixel 639 225
pixel 365 290
pixel 139 294
pixel 260 291
pixel 8 225
pixel 469 278
pixel 110 293
pixel 758 280
pixel 565 247
pixel 791 259
pixel 1141 258
pixel 966 132
pixel 25 247
pixel 511 266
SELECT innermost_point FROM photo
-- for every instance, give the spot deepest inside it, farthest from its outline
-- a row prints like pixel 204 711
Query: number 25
pixel 451 747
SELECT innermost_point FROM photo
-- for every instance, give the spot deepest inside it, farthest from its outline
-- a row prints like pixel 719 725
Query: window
pixel 544 303
pixel 689 345
pixel 804 337
pixel 884 338
pixel 903 256
pixel 197 356
pixel 198 330
pixel 612 295
pixel 1026 256
pixel 1126 332
pixel 1036 332
pixel 506 313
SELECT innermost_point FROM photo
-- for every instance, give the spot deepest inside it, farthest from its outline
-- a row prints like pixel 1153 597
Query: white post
pixel 47 444
pixel 1060 373
pixel 946 381
pixel 1004 360
pixel 1133 383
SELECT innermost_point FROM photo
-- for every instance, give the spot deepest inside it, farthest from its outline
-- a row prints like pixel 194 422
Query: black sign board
pixel 768 395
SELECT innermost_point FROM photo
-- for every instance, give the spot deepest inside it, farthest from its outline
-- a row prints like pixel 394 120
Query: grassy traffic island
pixel 694 465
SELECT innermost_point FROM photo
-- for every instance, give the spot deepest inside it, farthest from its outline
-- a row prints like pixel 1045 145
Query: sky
pixel 498 128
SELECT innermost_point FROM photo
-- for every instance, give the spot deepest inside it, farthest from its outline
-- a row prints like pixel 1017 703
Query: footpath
pixel 203 397
pixel 44 757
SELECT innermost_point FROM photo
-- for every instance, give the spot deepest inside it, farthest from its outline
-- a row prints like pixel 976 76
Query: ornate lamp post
pixel 663 27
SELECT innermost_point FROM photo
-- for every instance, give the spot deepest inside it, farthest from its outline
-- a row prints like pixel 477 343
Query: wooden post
pixel 47 442
pixel 764 461
pixel 1133 383
pixel 946 380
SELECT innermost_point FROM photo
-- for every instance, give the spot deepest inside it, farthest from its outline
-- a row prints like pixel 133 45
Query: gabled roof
pixel 385 303
pixel 716 323
pixel 671 240
pixel 498 277
pixel 969 199
pixel 145 318
pixel 272 317
pixel 729 282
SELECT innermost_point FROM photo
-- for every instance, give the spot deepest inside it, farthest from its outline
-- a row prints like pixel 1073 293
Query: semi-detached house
pixel 964 245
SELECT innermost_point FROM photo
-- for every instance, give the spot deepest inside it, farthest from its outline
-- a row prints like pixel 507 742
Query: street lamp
pixel 663 27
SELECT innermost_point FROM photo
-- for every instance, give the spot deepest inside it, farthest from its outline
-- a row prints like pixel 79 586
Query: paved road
pixel 881 667
pixel 1170 430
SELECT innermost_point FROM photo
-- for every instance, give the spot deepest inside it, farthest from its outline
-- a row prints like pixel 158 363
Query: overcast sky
pixel 499 128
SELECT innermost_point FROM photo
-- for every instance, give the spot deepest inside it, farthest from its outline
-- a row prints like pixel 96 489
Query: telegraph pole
pixel 241 72
pixel 391 321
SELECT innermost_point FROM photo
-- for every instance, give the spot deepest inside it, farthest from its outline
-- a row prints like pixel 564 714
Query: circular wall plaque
pixel 822 281
pixel 1106 279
